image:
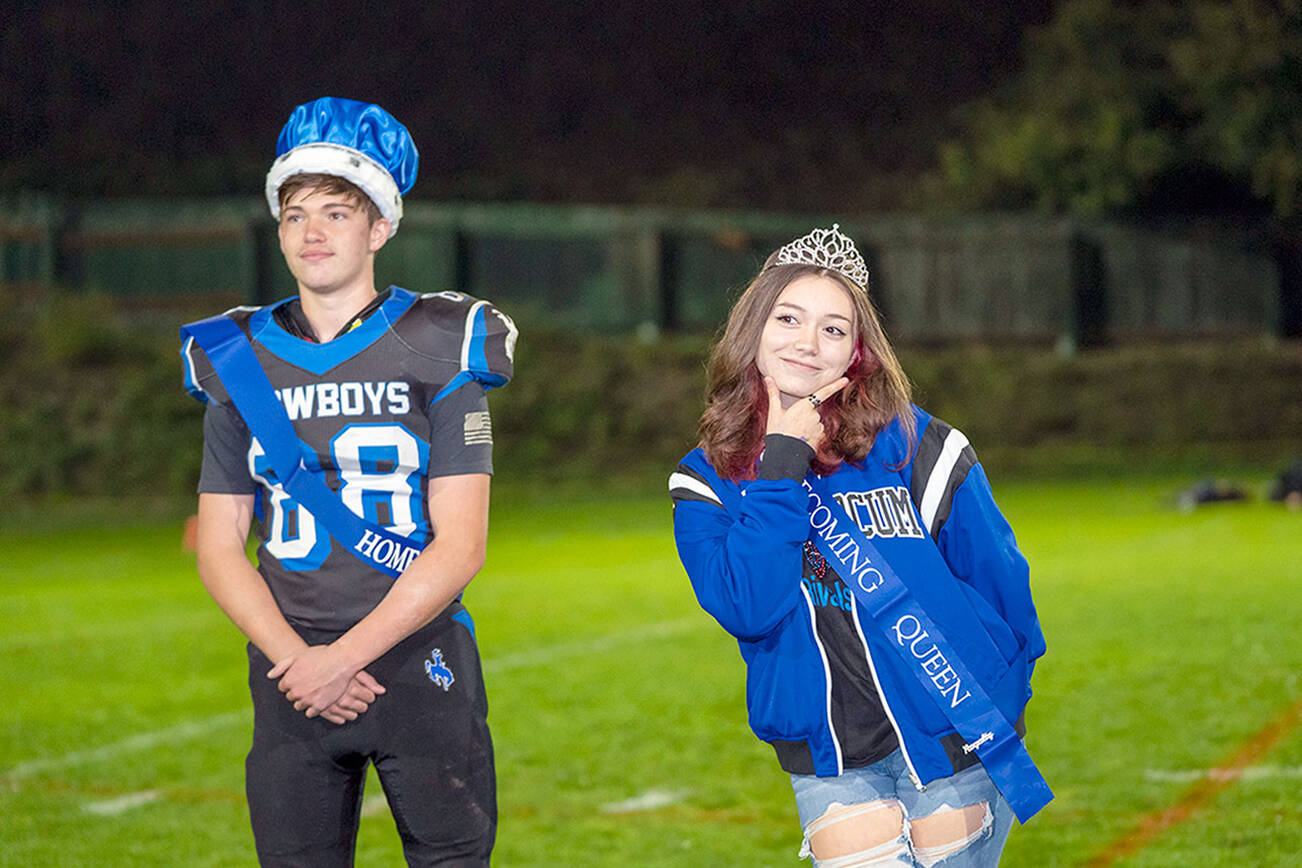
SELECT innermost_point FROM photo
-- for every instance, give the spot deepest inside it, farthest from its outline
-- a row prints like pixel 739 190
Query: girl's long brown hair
pixel 736 412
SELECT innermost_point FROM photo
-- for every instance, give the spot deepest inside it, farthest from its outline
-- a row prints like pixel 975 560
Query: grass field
pixel 617 705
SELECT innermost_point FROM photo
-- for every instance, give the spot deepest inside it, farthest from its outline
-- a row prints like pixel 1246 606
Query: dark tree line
pixel 1088 106
pixel 1191 106
pixel 768 103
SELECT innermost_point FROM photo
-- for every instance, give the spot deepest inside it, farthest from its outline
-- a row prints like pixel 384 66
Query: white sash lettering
pixel 933 662
pixel 385 551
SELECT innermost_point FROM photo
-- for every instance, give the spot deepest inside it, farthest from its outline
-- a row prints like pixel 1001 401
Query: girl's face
pixel 808 337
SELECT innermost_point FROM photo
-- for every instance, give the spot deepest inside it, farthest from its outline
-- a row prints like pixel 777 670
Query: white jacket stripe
pixel 827 677
pixel 682 480
pixel 938 481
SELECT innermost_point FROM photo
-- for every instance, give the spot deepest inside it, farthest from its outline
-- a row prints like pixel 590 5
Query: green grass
pixel 1173 639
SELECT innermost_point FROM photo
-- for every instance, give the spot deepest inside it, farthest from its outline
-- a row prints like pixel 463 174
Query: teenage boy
pixel 352 424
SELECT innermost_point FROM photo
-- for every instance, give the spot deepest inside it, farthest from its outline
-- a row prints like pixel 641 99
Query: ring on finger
pixel 814 399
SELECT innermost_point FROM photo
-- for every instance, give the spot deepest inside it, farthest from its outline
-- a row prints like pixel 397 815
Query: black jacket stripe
pixel 966 461
pixel 930 448
pixel 698 493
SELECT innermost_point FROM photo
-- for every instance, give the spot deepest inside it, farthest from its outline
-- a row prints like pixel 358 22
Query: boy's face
pixel 327 241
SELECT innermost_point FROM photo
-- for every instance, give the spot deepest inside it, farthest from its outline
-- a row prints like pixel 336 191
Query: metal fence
pixel 986 277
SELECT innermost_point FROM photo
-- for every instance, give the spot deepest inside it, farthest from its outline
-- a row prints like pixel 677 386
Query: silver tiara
pixel 826 248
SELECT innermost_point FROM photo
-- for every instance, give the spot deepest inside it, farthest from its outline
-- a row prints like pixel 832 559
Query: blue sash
pixel 237 367
pixel 887 598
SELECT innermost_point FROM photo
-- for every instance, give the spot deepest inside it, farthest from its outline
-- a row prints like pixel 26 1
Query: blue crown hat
pixel 358 141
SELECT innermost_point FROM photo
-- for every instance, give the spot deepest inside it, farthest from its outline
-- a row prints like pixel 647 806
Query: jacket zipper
pixel 886 706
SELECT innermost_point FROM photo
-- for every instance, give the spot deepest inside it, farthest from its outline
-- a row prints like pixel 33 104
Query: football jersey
pixel 380 409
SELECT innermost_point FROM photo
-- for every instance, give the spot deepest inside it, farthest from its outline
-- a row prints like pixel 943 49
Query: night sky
pixel 765 104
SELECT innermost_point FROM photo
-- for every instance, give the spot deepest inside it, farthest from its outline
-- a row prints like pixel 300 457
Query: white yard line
pixel 1248 773
pixel 155 626
pixel 111 807
pixel 374 804
pixel 648 801
pixel 549 653
pixel 194 729
pixel 187 731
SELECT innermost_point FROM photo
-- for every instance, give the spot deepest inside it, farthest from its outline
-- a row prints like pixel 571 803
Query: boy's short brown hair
pixel 322 183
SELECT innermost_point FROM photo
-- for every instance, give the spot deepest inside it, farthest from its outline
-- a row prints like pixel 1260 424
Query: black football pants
pixel 427 736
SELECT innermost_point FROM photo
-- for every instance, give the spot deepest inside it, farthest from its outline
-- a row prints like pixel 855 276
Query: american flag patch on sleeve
pixel 479 429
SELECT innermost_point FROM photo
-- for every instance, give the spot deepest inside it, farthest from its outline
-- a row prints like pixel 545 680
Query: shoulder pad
pixel 197 373
pixel 473 332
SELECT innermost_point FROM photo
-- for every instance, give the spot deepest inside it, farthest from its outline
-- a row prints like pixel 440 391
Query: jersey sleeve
pixel 198 375
pixel 744 567
pixel 226 441
pixel 461 433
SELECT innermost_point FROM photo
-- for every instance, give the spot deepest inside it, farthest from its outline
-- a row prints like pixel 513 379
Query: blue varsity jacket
pixel 742 546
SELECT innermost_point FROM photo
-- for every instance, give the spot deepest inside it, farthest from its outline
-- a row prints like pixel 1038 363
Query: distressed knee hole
pixel 948 831
pixel 858 831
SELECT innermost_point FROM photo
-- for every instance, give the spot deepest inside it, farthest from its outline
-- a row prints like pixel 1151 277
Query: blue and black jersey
pixel 395 399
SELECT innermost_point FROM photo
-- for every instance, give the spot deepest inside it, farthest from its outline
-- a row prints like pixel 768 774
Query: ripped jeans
pixel 875 816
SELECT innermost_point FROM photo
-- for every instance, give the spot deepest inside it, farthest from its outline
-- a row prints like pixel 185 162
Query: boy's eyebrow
pixel 339 203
